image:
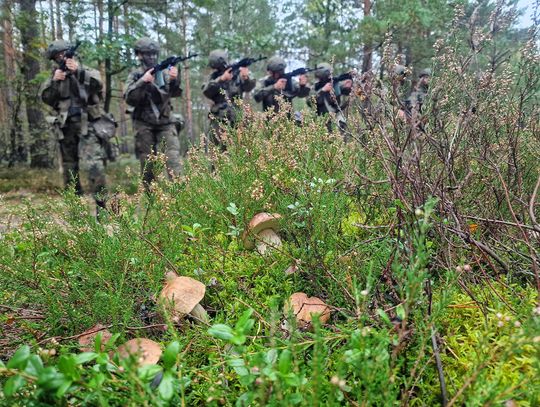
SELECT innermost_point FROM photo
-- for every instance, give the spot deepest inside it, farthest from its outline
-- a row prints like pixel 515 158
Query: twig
pixel 501 222
pixel 258 315
pixel 482 247
pixel 440 371
pixel 532 202
pixel 159 252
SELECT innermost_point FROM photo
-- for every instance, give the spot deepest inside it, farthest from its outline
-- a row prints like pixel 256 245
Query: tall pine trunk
pixel 15 147
pixel 187 83
pixel 108 62
pixel 40 143
pixel 368 46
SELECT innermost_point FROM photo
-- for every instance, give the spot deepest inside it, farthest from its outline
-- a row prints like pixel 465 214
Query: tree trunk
pixel 187 85
pixel 15 147
pixel 108 62
pixel 42 23
pixel 101 21
pixel 124 147
pixel 368 47
pixel 59 28
pixel 40 144
pixel 51 19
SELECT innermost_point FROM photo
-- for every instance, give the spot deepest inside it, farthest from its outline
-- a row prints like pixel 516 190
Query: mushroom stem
pixel 267 239
pixel 200 313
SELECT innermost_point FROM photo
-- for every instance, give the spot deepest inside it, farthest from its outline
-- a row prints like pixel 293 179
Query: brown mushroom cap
pixel 148 351
pixel 304 308
pixel 184 292
pixel 260 222
pixel 86 340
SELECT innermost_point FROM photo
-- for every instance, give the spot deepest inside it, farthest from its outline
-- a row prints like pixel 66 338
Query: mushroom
pixel 184 294
pixel 87 338
pixel 147 350
pixel 261 232
pixel 305 308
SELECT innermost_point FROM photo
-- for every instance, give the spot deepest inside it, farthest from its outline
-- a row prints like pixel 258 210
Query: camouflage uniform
pixel 223 95
pixel 418 97
pixel 76 101
pixel 400 85
pixel 153 121
pixel 268 95
pixel 332 103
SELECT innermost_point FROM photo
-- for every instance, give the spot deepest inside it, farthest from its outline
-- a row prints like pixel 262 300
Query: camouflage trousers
pixel 86 154
pixel 223 117
pixel 151 139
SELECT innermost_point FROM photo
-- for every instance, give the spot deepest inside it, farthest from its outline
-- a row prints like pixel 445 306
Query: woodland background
pixel 350 33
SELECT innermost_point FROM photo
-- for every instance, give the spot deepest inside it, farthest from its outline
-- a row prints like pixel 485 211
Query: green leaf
pixel 170 354
pixel 67 365
pixel 271 356
pixel 97 381
pixel 384 316
pixel 85 357
pixel 49 378
pixel 235 362
pixel 13 384
pixel 97 342
pixel 285 361
pixel 166 388
pixel 18 360
pixel 34 365
pixel 221 331
pixel 243 324
pixel 232 208
pixel 400 311
pixel 148 372
pixel 238 339
pixel 64 387
pixel 111 342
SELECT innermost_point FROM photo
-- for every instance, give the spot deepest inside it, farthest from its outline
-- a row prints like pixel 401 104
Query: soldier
pixel 149 94
pixel 223 88
pixel 331 98
pixel 413 104
pixel 274 85
pixel 400 90
pixel 75 92
pixel 422 86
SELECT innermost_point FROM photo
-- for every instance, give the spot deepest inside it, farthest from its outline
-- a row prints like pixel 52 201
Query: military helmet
pixel 55 47
pixel 218 58
pixel 146 44
pixel 324 70
pixel 276 64
pixel 424 72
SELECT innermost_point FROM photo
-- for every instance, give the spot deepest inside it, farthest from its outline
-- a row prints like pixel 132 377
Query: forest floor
pixel 22 189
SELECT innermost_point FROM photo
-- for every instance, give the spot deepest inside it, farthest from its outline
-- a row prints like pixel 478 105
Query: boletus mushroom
pixel 305 309
pixel 147 351
pixel 261 232
pixel 184 294
pixel 88 337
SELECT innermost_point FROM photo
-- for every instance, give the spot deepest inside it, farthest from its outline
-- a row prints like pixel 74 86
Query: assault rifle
pixel 289 76
pixel 334 79
pixel 167 63
pixel 243 63
pixel 70 53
